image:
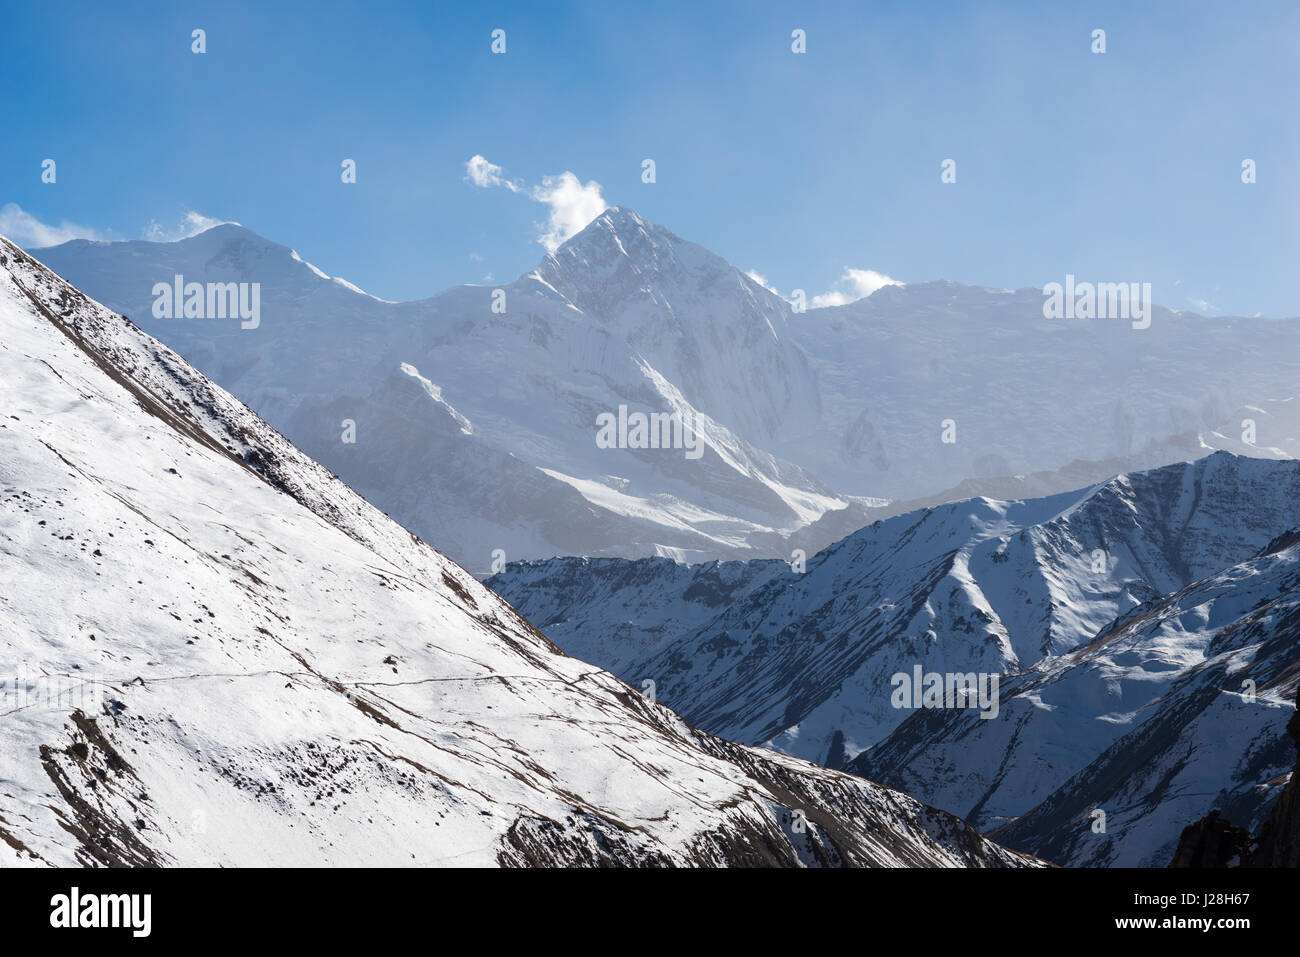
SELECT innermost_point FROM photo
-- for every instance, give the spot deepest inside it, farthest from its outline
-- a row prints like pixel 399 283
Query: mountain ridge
pixel 1103 612
pixel 812 422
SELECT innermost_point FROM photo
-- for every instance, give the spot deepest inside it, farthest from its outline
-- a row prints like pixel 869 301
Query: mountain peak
pixel 222 252
pixel 622 217
pixel 616 228
pixel 620 254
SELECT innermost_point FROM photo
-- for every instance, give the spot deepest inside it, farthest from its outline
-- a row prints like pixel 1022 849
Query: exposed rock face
pixel 1214 842
pixel 1279 838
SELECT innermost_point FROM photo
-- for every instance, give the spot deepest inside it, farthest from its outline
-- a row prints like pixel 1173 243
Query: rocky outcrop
pixel 1214 842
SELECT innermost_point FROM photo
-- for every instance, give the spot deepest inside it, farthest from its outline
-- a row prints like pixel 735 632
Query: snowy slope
pixel 223 656
pixel 1149 721
pixel 1152 723
pixel 622 613
pixel 476 428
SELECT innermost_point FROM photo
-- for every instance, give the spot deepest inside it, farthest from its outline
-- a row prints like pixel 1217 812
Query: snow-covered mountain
pixel 474 412
pixel 762 653
pixel 1112 617
pixel 1215 841
pixel 1178 708
pixel 1025 393
pixel 477 428
pixel 221 655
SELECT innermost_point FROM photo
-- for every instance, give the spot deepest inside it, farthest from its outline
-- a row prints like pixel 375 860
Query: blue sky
pixel 1122 166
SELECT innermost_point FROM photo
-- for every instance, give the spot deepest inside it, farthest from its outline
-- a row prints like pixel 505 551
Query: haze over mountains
pixel 226 657
pixel 477 429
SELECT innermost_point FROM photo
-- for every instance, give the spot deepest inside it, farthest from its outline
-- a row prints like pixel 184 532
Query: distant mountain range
pixel 474 413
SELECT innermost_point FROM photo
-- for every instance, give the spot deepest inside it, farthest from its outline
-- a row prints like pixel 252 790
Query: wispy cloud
pixel 26 230
pixel 573 203
pixel 191 225
pixel 484 174
pixel 855 284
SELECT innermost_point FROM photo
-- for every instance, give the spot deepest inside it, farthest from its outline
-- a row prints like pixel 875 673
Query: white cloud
pixel 28 231
pixel 193 224
pixel 855 284
pixel 573 203
pixel 484 174
pixel 759 278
